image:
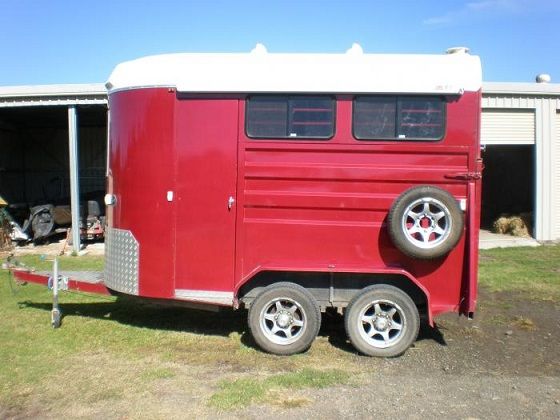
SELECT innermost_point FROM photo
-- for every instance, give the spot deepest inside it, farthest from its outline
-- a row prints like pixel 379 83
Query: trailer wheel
pixel 284 319
pixel 425 222
pixel 382 321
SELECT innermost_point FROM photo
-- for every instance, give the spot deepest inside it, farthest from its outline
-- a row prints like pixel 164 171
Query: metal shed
pixel 39 131
pixel 520 127
pixel 520 130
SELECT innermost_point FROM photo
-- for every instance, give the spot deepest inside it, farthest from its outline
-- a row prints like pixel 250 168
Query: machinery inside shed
pixel 35 164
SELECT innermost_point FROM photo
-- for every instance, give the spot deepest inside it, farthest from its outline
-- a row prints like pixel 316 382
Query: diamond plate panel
pixel 121 261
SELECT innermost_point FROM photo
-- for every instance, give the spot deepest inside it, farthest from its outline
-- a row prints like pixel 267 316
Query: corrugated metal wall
pixel 34 166
pixel 11 158
pixel 547 149
pixel 547 161
pixel 556 178
pixel 93 155
pixel 499 126
pixel 45 169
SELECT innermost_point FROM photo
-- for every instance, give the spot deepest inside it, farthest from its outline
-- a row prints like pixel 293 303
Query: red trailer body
pixel 207 202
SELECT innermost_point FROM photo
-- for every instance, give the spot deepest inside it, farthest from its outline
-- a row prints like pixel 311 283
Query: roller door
pixel 507 127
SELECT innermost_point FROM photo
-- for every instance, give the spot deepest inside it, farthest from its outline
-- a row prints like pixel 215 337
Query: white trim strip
pixel 205 296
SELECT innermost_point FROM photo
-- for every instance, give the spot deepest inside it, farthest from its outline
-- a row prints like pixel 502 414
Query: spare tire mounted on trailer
pixel 425 222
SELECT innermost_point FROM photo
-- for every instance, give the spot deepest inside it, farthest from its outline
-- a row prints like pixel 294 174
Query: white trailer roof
pixel 260 71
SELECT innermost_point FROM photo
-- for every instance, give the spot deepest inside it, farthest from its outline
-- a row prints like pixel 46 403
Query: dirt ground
pixel 53 248
pixel 504 364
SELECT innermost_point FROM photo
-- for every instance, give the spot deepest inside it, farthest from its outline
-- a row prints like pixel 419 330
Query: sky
pixel 81 41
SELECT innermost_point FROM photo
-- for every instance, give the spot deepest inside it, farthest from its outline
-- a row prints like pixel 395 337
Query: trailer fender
pixel 264 276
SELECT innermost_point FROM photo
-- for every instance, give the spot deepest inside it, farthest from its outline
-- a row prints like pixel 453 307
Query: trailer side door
pixel 205 196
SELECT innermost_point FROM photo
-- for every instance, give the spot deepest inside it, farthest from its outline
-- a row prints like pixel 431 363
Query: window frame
pixel 398 118
pixel 289 97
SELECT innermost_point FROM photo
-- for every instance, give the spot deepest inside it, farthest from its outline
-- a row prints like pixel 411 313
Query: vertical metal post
pixel 55 313
pixel 74 176
pixel 108 145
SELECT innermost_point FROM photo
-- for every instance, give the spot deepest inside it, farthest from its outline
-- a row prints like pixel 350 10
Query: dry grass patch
pixel 239 393
pixel 281 400
pixel 524 323
pixel 158 373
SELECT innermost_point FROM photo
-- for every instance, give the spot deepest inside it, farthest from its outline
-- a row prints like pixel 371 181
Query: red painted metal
pixel 73 284
pixel 300 205
pixel 142 132
pixel 206 178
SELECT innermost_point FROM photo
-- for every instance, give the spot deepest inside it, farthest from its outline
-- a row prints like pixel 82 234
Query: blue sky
pixel 80 41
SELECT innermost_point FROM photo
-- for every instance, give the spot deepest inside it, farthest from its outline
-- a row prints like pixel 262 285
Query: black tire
pixel 393 321
pixel 284 319
pixel 425 222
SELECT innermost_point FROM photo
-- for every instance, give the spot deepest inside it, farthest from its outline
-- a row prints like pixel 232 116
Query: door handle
pixel 230 202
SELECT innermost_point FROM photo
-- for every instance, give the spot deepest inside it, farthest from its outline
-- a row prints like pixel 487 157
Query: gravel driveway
pixel 504 364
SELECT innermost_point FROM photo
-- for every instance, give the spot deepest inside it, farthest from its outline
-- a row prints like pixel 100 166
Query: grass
pixel 42 262
pixel 243 392
pixel 159 373
pixel 535 272
pixel 110 351
pixel 121 356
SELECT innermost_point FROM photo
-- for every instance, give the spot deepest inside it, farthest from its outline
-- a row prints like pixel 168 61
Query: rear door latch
pixel 467 176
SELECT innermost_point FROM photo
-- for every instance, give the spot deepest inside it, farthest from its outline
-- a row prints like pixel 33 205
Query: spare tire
pixel 425 222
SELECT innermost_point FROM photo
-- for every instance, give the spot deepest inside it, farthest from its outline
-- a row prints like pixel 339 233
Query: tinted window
pixel 401 118
pixel 375 117
pixel 290 117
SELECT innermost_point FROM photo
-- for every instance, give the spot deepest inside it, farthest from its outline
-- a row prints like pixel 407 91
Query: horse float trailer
pixel 293 184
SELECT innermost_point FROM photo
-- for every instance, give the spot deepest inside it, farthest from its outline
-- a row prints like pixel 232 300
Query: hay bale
pixel 501 225
pixel 512 225
pixel 517 227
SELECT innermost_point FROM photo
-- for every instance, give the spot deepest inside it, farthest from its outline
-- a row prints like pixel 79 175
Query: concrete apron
pixel 488 240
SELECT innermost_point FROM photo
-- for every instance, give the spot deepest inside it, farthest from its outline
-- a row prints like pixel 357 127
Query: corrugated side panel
pixel 327 205
pixel 507 127
pixel 556 178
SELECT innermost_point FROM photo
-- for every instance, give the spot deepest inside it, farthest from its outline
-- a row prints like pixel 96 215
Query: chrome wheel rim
pixel 283 321
pixel 426 222
pixel 381 323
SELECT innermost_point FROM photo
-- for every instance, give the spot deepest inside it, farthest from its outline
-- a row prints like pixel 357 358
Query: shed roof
pixel 40 95
pixel 516 88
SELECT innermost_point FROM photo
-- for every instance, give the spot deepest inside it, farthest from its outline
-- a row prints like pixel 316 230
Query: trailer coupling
pixel 57 280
